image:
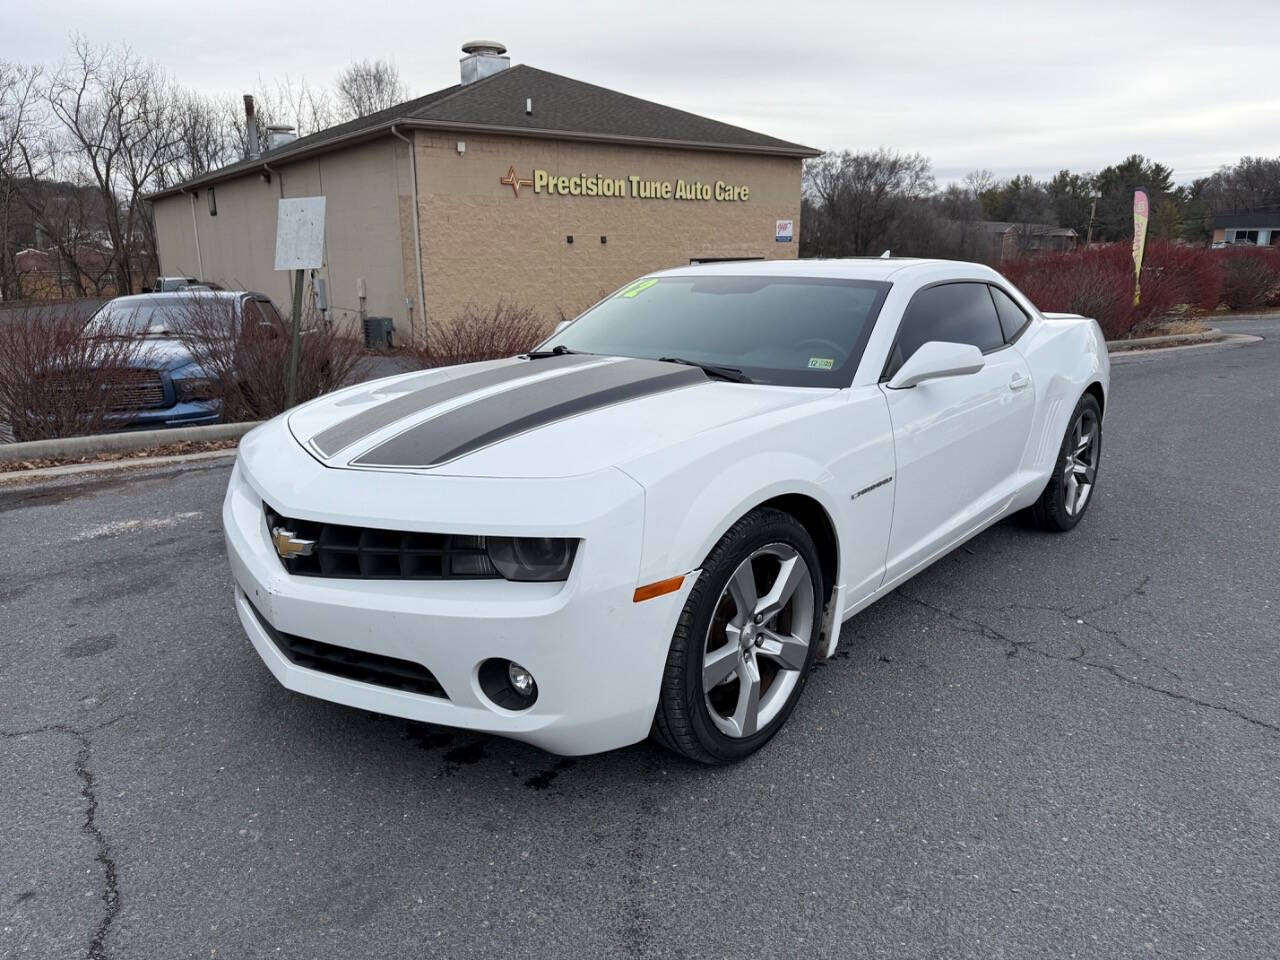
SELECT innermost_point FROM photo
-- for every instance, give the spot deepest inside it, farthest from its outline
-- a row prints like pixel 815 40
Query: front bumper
pixel 597 656
pixel 187 414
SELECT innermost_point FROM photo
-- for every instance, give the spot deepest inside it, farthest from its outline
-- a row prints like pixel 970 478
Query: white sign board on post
pixel 300 234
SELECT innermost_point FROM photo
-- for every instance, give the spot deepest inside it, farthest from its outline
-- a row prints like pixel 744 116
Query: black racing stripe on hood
pixel 491 419
pixel 341 435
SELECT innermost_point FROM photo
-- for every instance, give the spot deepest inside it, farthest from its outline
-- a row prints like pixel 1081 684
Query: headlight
pixel 532 558
pixel 196 388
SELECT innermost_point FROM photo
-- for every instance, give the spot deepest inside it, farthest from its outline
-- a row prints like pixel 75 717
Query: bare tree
pixel 117 117
pixel 368 86
pixel 287 102
pixel 19 125
pixel 979 181
pixel 859 195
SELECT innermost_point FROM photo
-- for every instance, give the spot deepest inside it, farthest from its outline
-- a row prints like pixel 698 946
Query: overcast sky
pixel 1030 87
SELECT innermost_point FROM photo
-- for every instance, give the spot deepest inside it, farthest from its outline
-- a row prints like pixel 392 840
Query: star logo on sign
pixel 515 181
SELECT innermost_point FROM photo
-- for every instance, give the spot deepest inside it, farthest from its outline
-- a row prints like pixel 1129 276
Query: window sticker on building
pixel 821 363
pixel 783 234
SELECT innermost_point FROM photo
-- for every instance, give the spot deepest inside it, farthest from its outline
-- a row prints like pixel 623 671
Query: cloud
pixel 1026 86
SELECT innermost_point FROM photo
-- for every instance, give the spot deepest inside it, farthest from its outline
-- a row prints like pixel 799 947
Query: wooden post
pixel 295 342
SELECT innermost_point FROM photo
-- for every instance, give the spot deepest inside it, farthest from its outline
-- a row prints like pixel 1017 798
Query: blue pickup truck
pixel 167 388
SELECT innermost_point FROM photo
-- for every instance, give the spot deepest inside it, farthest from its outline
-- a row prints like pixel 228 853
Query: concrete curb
pixel 1212 335
pixel 72 447
pixel 16 477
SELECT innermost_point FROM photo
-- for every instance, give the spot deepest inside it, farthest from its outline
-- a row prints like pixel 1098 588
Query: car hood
pixel 549 417
pixel 162 353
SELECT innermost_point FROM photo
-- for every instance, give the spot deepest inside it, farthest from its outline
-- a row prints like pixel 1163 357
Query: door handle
pixel 1019 381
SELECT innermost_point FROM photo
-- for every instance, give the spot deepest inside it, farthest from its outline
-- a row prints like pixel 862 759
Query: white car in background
pixel 657 521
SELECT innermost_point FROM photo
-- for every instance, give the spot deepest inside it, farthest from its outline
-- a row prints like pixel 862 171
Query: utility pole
pixel 1093 209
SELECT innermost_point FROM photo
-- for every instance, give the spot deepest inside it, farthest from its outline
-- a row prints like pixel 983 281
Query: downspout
pixel 195 232
pixel 417 234
pixel 279 178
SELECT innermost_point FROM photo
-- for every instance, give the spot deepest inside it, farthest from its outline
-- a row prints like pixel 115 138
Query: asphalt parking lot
pixel 1041 747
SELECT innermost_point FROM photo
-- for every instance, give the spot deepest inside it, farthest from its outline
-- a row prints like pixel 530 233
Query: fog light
pixel 521 680
pixel 507 684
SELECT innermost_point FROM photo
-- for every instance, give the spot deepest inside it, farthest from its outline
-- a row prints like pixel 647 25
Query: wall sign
pixel 628 187
pixel 784 231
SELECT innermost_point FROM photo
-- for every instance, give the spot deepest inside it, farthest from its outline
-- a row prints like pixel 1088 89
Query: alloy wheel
pixel 757 644
pixel 1081 467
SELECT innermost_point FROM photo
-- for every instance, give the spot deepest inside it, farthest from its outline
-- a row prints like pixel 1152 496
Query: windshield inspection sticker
pixel 636 289
pixel 821 363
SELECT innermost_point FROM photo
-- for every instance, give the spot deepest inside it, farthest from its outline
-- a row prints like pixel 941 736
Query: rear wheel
pixel 745 641
pixel 1070 489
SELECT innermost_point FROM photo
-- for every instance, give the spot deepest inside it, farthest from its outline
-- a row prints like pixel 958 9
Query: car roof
pixel 179 296
pixel 851 268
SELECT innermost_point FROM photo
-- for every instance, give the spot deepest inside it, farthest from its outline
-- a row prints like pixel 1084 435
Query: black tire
pixel 682 721
pixel 1052 511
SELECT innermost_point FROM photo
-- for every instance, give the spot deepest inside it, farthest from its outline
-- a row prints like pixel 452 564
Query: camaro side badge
pixel 877 484
pixel 289 544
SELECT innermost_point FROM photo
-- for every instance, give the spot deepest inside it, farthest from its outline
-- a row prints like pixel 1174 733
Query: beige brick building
pixel 515 184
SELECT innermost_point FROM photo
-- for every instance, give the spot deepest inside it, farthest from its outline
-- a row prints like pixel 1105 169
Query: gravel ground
pixel 1040 747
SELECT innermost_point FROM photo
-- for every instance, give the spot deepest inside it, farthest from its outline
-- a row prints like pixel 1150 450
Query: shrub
pixel 1193 270
pixel 1250 276
pixel 1096 282
pixel 249 361
pixel 504 330
pixel 59 380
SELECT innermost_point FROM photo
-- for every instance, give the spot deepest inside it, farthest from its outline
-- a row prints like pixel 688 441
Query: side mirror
pixel 935 360
pixel 560 326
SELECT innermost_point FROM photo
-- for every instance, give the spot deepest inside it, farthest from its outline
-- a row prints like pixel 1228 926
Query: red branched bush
pixel 58 379
pixel 1096 282
pixel 504 330
pixel 1193 270
pixel 248 356
pixel 1250 276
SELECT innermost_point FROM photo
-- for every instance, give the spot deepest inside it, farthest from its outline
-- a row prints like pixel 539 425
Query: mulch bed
pixel 162 450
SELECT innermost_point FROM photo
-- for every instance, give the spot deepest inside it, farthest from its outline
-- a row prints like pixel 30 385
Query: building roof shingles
pixel 561 106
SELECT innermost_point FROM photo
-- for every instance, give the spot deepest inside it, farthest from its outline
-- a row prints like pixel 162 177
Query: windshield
pixel 796 331
pixel 158 316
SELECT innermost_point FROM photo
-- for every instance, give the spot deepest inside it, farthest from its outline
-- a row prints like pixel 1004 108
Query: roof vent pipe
pixel 252 147
pixel 483 59
pixel 278 134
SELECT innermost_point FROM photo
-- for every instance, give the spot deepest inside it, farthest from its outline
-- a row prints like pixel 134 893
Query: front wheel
pixel 1070 489
pixel 745 641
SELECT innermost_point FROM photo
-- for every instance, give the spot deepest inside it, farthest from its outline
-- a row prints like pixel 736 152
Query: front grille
pixel 126 389
pixel 351 664
pixel 371 553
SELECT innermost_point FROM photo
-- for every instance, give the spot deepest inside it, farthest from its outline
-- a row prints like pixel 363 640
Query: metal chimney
pixel 483 59
pixel 278 134
pixel 250 129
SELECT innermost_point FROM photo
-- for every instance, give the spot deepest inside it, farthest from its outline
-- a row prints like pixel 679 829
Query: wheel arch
pixel 1099 394
pixel 813 516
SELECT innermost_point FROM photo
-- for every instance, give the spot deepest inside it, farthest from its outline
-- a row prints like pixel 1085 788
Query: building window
pixel 1246 236
pixel 213 203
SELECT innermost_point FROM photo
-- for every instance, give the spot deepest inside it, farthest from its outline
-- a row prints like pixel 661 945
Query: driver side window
pixel 951 312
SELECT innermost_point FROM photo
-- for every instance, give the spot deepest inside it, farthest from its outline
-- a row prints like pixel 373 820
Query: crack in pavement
pixel 102 848
pixel 1014 647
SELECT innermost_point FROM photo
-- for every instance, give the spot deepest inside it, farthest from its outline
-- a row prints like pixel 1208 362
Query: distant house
pixel 1001 240
pixel 47 274
pixel 1262 229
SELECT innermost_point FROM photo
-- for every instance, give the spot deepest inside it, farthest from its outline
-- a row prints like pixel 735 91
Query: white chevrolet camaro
pixel 656 522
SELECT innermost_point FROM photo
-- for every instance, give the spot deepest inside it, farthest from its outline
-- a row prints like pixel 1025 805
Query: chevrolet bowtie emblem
pixel 288 544
pixel 515 181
